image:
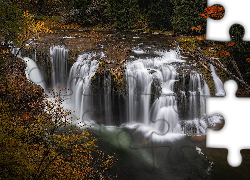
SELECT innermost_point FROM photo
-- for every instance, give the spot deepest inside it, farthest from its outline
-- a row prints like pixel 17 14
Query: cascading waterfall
pixel 80 82
pixel 198 93
pixel 107 98
pixel 59 57
pixel 161 113
pixel 219 87
pixel 148 103
pixel 194 90
pixel 139 89
pixel 140 75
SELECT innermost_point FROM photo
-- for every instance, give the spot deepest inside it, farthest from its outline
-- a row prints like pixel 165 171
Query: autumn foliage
pixel 197 29
pixel 215 12
pixel 31 29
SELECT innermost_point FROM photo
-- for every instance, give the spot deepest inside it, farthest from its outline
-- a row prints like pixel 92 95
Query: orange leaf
pixel 199 38
pixel 248 59
pixel 25 116
pixel 227 54
pixel 198 28
pixel 193 28
pixel 231 44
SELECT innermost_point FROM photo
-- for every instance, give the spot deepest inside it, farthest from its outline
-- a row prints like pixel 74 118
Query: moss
pixel 189 43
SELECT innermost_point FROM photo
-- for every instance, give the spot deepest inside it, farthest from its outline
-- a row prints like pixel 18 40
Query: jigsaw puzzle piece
pixel 235 112
pixel 236 12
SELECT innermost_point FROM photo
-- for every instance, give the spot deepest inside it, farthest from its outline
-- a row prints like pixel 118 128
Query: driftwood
pixel 204 65
pixel 198 54
pixel 197 59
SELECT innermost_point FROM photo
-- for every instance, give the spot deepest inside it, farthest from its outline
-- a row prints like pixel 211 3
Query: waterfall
pixel 107 98
pixel 33 73
pixel 194 94
pixel 158 96
pixel 79 83
pixel 139 81
pixel 219 87
pixel 59 57
pixel 140 75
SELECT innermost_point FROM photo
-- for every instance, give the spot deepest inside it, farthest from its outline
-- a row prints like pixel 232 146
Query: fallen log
pixel 235 66
pixel 198 54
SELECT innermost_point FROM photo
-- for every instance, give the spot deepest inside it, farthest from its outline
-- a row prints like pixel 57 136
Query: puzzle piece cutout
pixel 236 12
pixel 235 111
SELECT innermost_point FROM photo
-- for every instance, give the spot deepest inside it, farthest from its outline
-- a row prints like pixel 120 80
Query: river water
pixel 157 125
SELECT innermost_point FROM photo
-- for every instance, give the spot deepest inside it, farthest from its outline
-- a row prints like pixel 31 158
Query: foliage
pixel 238 48
pixel 158 13
pixel 42 7
pixel 10 21
pixel 17 27
pixel 78 8
pixel 189 43
pixel 38 144
pixel 186 14
pixel 232 58
pixel 215 12
pixel 121 14
pixel 32 29
pixel 128 14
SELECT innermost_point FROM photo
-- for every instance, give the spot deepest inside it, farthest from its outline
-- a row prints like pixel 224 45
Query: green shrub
pixel 159 13
pixel 186 14
pixel 122 14
pixel 125 14
pixel 10 21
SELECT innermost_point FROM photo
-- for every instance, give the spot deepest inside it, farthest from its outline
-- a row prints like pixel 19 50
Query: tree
pixel 31 29
pixel 18 27
pixel 10 22
pixel 186 14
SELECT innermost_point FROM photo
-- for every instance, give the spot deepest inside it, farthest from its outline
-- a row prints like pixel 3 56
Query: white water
pixel 80 82
pixel 162 114
pixel 158 115
pixel 59 57
pixel 143 111
pixel 33 73
pixel 219 87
